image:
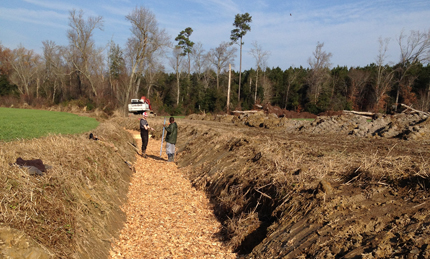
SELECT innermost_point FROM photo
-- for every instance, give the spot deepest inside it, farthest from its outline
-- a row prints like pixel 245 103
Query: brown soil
pixel 268 109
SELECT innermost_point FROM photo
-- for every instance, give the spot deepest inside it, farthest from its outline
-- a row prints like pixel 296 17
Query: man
pixel 172 132
pixel 144 128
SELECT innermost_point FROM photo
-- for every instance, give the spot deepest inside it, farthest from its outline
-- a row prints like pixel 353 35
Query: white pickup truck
pixel 138 106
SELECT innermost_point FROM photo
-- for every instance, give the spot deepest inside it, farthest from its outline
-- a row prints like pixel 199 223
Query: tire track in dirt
pixel 166 216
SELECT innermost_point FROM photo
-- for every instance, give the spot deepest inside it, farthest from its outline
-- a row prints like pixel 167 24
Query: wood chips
pixel 166 216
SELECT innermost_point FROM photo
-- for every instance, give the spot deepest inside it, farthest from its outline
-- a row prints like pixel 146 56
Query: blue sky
pixel 348 29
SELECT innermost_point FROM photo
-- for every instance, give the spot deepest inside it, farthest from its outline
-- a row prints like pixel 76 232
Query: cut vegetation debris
pixel 289 195
pixel 409 125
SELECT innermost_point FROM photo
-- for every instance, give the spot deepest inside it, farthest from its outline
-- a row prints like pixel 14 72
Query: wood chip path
pixel 166 216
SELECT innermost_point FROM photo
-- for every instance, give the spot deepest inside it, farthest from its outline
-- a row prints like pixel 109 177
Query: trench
pixel 166 216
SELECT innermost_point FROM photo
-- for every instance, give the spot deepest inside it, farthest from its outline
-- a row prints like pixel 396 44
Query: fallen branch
pixel 245 112
pixel 360 113
pixel 412 109
pixel 262 193
pixel 135 148
pixel 419 205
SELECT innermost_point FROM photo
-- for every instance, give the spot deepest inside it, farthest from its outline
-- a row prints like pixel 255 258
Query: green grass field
pixel 28 124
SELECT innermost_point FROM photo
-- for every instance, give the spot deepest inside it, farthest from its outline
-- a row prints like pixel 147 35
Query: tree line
pixel 108 77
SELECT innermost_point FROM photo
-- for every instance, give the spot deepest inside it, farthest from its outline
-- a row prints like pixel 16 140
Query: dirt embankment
pixel 402 126
pixel 291 194
pixel 73 210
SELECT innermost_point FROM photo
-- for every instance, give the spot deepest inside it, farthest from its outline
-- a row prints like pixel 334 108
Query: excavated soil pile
pixel 279 194
pixel 402 125
pixel 269 109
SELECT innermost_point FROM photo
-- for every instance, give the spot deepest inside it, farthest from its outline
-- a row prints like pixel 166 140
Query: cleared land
pixel 336 187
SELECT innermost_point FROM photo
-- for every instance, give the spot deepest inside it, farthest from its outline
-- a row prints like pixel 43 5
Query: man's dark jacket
pixel 172 132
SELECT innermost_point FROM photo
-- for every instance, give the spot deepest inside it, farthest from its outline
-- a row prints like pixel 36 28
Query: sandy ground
pixel 166 216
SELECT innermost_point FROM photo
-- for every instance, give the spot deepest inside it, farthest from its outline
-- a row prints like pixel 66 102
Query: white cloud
pixel 47 18
pixel 221 7
pixel 121 1
pixel 118 10
pixel 56 5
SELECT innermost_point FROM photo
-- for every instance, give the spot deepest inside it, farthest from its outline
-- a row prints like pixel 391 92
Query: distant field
pixel 302 119
pixel 27 124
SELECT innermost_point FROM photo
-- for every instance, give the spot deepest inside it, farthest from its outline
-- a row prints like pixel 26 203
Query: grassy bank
pixel 74 208
pixel 27 124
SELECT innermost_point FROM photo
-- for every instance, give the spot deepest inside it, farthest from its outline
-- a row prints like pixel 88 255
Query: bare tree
pixel 25 66
pixel 152 72
pixel 198 55
pixel 413 49
pixel 176 62
pixel 319 63
pixel 220 57
pixel 54 68
pixel 146 40
pixel 83 46
pixel 201 64
pixel 384 76
pixel 260 61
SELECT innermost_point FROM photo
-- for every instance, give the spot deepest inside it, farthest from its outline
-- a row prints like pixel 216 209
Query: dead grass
pixel 262 179
pixel 73 208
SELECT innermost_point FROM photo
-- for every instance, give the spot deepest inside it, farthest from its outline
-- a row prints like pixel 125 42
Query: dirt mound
pixel 329 125
pixel 74 208
pixel 287 114
pixel 267 109
pixel 311 196
pixel 330 113
pixel 404 126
